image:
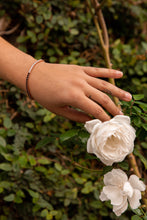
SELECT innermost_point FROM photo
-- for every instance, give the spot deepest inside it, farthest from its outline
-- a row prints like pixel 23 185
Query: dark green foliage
pixel 45 171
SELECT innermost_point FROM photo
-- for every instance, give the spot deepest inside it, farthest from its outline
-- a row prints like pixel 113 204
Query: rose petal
pixel 128 189
pixel 103 197
pixel 89 146
pixel 115 177
pixel 89 125
pixel 118 210
pixel 122 119
pixel 136 183
pixel 114 194
pixel 134 200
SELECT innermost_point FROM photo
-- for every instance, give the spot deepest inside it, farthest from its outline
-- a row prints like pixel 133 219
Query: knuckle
pixel 104 84
pixel 79 83
pixel 106 100
pixel 98 112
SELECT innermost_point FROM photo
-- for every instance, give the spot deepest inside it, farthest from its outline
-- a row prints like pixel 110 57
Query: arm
pixel 58 86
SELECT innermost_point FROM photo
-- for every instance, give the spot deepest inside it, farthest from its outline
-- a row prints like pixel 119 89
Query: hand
pixel 63 89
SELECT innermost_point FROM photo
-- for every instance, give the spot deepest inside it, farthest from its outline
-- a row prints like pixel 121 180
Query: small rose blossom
pixel 111 141
pixel 120 190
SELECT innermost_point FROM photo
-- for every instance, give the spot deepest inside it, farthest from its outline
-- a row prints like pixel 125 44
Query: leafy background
pixel 45 171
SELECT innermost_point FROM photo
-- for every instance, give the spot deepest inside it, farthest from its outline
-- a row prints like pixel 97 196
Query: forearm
pixel 14 64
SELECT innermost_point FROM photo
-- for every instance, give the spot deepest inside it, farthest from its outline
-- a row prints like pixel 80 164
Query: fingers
pixel 104 101
pixel 109 89
pixel 92 108
pixel 73 114
pixel 102 72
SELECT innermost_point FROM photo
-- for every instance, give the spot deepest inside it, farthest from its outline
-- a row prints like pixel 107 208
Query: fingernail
pixel 119 73
pixel 128 96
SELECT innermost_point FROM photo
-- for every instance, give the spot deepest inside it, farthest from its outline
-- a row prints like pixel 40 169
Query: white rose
pixel 119 190
pixel 111 141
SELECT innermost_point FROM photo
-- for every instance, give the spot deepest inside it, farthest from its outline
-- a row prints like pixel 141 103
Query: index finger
pixel 102 72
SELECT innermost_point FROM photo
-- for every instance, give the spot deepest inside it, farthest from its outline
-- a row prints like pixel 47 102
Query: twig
pixel 9 31
pixel 104 41
pixel 134 165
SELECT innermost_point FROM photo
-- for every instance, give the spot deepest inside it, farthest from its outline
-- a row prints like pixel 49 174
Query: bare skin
pixel 59 87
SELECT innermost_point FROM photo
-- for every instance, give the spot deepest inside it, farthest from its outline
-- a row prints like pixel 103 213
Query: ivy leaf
pixel 135 217
pixel 9 198
pixel 142 158
pixel 58 166
pixel 43 142
pixel 2 142
pixel 68 134
pixel 7 123
pixel 33 194
pixel 144 126
pixel 138 97
pixel 5 166
pixel 44 160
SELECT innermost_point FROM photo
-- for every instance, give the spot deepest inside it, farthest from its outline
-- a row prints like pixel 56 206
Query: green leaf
pixel 67 202
pixel 52 59
pixel 144 145
pixel 11 132
pixel 96 204
pixel 137 121
pixel 2 142
pixel 33 194
pixel 41 169
pixel 32 160
pixel 58 167
pixel 9 198
pixel 74 31
pixel 144 67
pixel 65 172
pixel 136 217
pixel 8 157
pixel 137 211
pixel 144 126
pixel 5 184
pixel 87 188
pixel 18 199
pixel 29 125
pixel 39 19
pixel 68 134
pixel 20 193
pixel 124 165
pixel 142 158
pixel 80 180
pixel 7 123
pixel 5 166
pixel 44 160
pixel 32 36
pixel 142 105
pixel 48 117
pixel 43 142
pixel 138 110
pixel 2 131
pixel 54 212
pixel 44 213
pixel 23 161
pixel 138 97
